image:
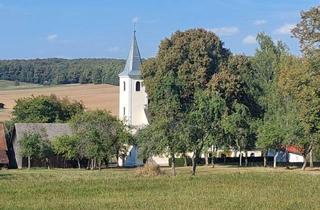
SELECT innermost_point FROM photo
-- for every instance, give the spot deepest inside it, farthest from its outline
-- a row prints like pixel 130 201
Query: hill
pixel 101 96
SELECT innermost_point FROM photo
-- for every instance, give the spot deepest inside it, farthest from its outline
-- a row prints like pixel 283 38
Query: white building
pixel 132 100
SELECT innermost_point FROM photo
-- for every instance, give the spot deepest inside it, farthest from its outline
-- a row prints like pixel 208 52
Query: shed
pixel 52 130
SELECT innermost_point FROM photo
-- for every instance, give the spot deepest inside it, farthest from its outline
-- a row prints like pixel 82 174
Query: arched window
pixel 124 86
pixel 138 86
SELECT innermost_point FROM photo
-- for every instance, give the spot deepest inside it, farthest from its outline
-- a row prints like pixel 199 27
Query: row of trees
pixel 202 96
pixel 62 71
pixel 97 137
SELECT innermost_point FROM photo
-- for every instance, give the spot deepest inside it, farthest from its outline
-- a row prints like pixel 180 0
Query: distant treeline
pixel 62 71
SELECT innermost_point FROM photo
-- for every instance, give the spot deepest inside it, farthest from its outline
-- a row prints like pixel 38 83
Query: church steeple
pixel 133 64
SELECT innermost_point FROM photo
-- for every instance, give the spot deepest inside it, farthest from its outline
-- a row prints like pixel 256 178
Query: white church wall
pixel 139 101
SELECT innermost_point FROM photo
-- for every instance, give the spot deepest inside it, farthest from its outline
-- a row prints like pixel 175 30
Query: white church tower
pixel 132 100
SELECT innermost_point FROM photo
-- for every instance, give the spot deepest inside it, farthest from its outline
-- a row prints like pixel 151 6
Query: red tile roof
pixel 3 146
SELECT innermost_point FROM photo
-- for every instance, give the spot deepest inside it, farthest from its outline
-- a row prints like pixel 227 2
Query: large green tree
pixel 45 109
pixel 102 135
pixel 184 64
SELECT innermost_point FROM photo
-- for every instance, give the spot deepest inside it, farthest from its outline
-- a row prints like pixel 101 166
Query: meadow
pixel 218 188
pixel 93 96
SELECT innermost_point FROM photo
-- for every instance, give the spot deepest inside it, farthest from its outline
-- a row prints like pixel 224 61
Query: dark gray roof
pixel 51 130
pixel 133 63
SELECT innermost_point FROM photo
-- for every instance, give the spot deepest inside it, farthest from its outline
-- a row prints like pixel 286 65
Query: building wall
pixel 139 103
pixel 125 100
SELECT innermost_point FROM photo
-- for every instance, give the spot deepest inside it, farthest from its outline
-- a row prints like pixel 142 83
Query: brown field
pixel 93 96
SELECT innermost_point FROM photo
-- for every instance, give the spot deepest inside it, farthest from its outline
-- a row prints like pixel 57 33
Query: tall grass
pixel 217 188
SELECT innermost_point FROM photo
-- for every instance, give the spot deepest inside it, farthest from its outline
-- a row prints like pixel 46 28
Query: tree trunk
pixel 240 159
pixel 194 163
pixel 311 158
pixel 79 165
pixel 185 160
pixel 275 160
pixel 99 164
pixel 206 158
pixel 304 162
pixel 92 164
pixel 29 162
pixel 48 163
pixel 173 165
pixel 246 159
pixel 212 157
pixel 265 159
pixel 117 156
pixel 212 161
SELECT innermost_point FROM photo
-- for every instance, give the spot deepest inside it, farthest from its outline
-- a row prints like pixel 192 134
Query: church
pixel 133 102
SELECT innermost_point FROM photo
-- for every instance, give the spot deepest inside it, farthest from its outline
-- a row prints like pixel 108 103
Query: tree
pixel 69 147
pixel 299 81
pixel 201 126
pixel 101 134
pixel 45 109
pixel 184 63
pixel 308 30
pixel 30 145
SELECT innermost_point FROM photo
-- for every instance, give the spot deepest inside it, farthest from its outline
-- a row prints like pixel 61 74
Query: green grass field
pixel 219 188
pixel 10 85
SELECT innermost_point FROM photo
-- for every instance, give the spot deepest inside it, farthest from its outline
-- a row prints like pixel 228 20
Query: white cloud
pixel 249 40
pixel 284 29
pixel 52 37
pixel 260 22
pixel 225 31
pixel 135 19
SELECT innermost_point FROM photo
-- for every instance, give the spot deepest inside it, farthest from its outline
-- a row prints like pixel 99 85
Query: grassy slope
pixel 9 85
pixel 217 188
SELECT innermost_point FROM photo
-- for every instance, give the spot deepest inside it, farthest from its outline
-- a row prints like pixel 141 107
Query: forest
pixel 54 71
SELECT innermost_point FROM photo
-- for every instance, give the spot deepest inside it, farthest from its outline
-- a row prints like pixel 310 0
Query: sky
pixel 103 28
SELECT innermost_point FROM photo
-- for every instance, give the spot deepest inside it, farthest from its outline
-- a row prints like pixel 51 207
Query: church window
pixel 124 86
pixel 124 111
pixel 138 86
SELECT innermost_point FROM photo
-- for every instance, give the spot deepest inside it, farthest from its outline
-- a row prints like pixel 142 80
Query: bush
pixel 149 169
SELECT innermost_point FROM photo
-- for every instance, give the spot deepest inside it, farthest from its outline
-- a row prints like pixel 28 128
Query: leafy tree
pixel 102 134
pixel 45 109
pixel 69 147
pixel 30 145
pixel 185 63
pixel 308 30
pixel 201 126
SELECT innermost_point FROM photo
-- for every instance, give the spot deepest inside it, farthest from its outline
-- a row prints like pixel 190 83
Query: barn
pixel 51 131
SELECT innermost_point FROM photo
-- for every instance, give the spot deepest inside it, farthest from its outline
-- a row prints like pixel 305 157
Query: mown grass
pixel 219 188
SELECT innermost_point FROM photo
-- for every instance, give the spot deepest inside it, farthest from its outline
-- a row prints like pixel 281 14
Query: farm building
pixel 50 130
pixel 3 147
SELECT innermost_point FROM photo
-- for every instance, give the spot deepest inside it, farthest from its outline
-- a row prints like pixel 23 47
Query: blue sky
pixel 103 28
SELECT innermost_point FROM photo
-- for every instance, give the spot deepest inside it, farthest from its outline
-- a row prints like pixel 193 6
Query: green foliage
pixel 30 145
pixel 69 147
pixel 308 30
pixel 45 109
pixel 101 136
pixel 62 71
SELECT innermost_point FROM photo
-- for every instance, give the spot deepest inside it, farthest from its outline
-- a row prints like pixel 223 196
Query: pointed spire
pixel 133 64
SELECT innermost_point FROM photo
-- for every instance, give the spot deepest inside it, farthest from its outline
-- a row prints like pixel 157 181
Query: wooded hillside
pixel 62 71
